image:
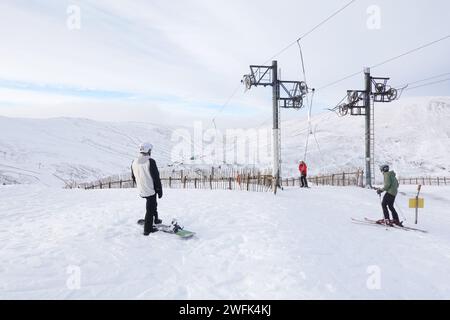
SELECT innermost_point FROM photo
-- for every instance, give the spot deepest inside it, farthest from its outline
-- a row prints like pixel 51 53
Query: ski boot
pixel 153 230
pixel 385 222
pixel 158 221
pixel 397 223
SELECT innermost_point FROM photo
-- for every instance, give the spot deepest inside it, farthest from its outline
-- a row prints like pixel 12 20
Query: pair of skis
pixel 371 222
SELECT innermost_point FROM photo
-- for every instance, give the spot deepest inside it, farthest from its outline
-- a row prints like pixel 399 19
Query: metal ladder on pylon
pixel 279 143
pixel 372 141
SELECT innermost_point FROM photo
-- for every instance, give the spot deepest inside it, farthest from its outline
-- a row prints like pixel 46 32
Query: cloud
pixel 187 57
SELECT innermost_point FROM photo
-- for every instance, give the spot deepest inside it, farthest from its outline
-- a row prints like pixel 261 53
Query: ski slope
pixel 298 245
pixel 413 135
pixel 55 151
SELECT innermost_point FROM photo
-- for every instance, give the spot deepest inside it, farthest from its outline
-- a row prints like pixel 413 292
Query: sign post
pixel 417 203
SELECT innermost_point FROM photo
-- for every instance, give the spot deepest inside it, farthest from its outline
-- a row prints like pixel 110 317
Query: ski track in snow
pixel 298 245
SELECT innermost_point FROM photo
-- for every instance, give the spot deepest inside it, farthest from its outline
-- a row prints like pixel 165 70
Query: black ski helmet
pixel 384 168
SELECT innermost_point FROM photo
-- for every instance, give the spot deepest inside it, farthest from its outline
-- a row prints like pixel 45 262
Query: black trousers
pixel 304 181
pixel 388 202
pixel 151 213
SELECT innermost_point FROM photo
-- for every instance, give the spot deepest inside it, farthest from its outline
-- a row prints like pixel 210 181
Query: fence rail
pixel 426 181
pixel 260 183
pixel 213 179
pixel 246 179
pixel 339 179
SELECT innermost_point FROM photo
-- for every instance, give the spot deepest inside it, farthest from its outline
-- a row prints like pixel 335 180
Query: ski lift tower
pixel 361 103
pixel 290 97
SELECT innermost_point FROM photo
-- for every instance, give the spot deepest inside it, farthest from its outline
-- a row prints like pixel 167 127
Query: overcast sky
pixel 176 61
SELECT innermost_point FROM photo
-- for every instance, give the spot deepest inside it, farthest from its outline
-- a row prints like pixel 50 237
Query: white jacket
pixel 144 181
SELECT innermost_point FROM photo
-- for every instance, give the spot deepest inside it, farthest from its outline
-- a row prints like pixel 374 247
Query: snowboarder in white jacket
pixel 145 175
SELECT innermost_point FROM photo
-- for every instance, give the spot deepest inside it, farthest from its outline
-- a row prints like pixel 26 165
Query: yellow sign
pixel 413 203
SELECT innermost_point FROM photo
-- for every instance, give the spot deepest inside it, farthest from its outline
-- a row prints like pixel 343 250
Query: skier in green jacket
pixel 391 188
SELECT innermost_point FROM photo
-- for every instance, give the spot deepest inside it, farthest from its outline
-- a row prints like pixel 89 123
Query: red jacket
pixel 303 169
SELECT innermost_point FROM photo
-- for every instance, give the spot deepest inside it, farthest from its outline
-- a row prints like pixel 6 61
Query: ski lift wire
pixel 310 31
pixel 427 84
pixel 426 79
pixel 386 61
pixel 225 105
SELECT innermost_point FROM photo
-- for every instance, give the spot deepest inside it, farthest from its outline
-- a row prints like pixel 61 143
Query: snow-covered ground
pixel 52 151
pixel 300 244
pixel 412 135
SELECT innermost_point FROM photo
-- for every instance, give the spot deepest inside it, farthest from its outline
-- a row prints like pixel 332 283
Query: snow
pixel 412 135
pixel 300 244
pixel 54 151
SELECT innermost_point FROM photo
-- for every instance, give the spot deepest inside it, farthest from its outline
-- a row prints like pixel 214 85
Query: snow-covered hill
pixel 76 244
pixel 413 135
pixel 56 150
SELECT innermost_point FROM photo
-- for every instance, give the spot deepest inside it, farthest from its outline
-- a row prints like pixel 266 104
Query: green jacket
pixel 390 183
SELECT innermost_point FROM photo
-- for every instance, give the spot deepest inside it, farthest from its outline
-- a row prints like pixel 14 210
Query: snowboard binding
pixel 175 226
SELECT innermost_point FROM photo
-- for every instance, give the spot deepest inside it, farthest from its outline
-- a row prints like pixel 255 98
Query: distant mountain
pixel 412 135
pixel 54 151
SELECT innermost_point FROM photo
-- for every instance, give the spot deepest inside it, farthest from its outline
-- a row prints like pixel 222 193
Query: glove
pixel 160 194
pixel 379 191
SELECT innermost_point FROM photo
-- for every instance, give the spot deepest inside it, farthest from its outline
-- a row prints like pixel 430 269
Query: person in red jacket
pixel 303 168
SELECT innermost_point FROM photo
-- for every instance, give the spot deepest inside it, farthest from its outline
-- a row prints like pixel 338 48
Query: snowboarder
pixel 391 188
pixel 303 168
pixel 145 174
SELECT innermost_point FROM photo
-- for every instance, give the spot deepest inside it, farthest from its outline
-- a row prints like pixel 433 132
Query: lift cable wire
pixel 286 48
pixel 427 84
pixel 423 80
pixel 310 31
pixel 225 105
pixel 386 61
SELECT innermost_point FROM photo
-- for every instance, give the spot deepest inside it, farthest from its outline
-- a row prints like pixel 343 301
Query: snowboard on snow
pixel 368 221
pixel 173 228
